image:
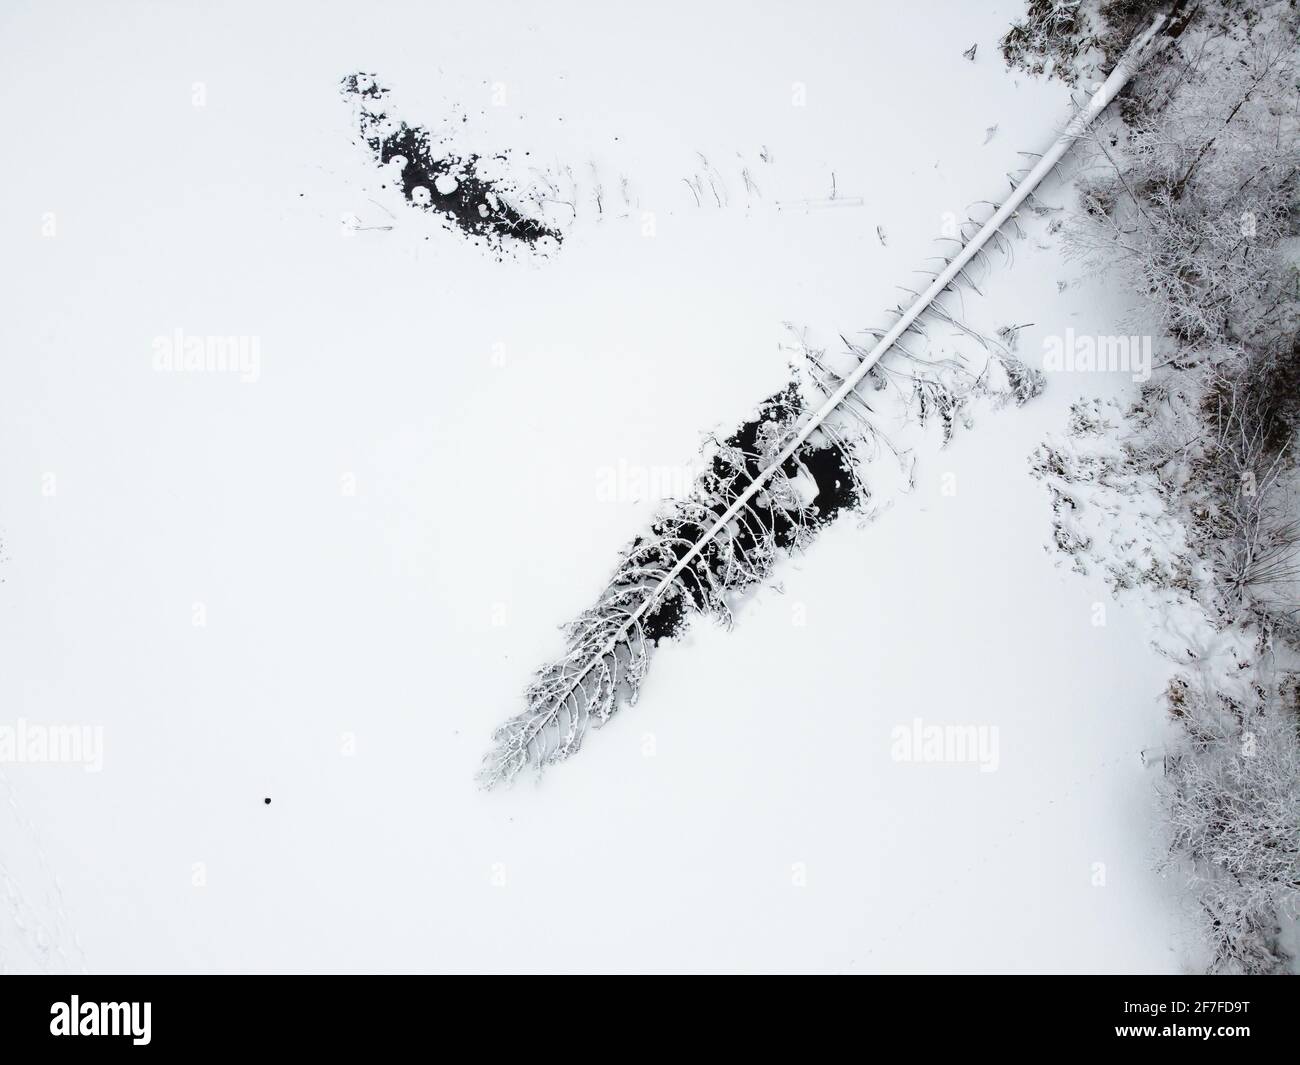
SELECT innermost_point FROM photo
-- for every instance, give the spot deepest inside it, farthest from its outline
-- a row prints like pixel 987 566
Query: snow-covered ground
pixel 327 586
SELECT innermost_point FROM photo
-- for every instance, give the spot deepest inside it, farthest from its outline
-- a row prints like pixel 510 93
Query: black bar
pixel 341 1015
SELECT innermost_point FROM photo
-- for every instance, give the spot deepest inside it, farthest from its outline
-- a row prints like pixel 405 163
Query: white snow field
pixel 328 585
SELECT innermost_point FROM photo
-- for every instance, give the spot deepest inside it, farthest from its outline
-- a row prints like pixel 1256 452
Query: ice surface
pixel 386 527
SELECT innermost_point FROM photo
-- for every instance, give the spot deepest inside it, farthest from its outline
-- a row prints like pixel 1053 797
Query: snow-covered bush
pixel 1250 411
pixel 1194 210
pixel 1195 204
pixel 1051 37
pixel 1233 801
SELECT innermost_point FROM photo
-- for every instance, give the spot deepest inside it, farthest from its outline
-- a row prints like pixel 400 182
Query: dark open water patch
pixel 837 489
pixel 439 180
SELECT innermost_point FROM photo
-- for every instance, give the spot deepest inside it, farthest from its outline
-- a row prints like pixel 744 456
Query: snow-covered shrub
pixel 1233 800
pixel 1024 382
pixel 1195 208
pixel 1194 203
pixel 1051 37
pixel 1251 409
